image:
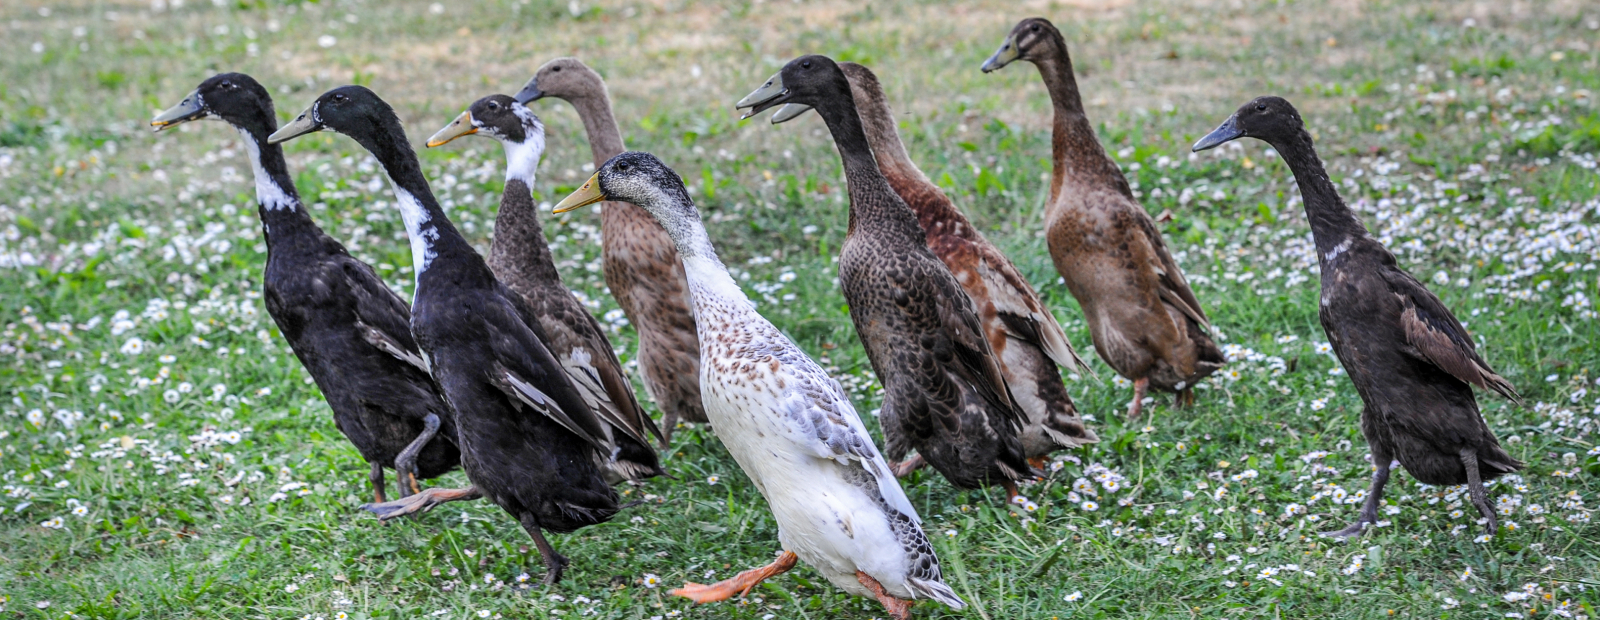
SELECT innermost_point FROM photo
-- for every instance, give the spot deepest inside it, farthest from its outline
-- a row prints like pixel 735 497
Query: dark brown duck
pixel 1412 363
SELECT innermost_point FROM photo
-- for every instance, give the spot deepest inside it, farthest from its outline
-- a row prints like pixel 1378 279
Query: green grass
pixel 1470 150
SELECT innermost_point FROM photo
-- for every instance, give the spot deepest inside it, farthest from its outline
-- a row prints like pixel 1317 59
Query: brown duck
pixel 1412 363
pixel 944 393
pixel 1145 322
pixel 641 266
pixel 1023 333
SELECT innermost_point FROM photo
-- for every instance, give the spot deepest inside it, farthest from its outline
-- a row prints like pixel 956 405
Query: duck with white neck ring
pixel 787 423
pixel 520 258
pixel 348 329
pixel 528 440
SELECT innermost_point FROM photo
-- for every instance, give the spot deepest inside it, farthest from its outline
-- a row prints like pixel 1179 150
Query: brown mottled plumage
pixel 1020 329
pixel 1412 363
pixel 945 395
pixel 1145 321
pixel 641 267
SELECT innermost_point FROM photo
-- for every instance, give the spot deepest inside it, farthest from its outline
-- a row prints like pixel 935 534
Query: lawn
pixel 164 454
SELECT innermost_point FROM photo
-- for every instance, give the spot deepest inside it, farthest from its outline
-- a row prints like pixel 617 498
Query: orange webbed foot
pixel 898 608
pixel 739 585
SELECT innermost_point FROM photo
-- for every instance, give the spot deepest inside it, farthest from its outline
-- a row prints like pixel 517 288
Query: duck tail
pixel 936 590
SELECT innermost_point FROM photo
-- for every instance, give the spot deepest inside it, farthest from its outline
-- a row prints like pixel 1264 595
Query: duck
pixel 640 266
pixel 788 424
pixel 1413 364
pixel 348 329
pixel 529 442
pixel 1025 336
pixel 520 259
pixel 1144 320
pixel 945 394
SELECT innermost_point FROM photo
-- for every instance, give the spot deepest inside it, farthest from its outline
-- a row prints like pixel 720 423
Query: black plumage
pixel 1410 359
pixel 349 330
pixel 945 395
pixel 528 441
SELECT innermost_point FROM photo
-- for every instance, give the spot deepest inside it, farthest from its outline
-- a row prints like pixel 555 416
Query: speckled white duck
pixel 788 424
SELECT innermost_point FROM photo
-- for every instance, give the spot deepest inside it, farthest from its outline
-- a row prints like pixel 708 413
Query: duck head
pixel 502 118
pixel 1270 119
pixel 805 82
pixel 642 179
pixel 234 98
pixel 563 78
pixel 1031 39
pixel 354 111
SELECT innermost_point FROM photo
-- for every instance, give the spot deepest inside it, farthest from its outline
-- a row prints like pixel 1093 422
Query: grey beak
pixel 1228 130
pixel 301 125
pixel 789 111
pixel 189 109
pixel 530 91
pixel 764 97
pixel 1003 56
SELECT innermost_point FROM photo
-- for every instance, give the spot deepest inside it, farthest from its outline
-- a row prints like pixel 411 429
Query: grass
pixel 149 398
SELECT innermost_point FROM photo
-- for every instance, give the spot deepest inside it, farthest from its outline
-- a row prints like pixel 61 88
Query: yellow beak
pixel 587 195
pixel 462 126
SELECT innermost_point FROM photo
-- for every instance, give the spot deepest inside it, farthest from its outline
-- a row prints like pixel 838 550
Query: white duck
pixel 787 423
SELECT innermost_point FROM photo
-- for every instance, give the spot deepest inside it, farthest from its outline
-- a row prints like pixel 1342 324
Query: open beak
pixel 301 125
pixel 1003 56
pixel 1228 130
pixel 462 126
pixel 770 94
pixel 789 111
pixel 587 195
pixel 530 91
pixel 187 110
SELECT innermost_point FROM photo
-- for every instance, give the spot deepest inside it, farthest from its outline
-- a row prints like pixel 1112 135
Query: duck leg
pixel 1480 497
pixel 376 478
pixel 405 465
pixel 740 584
pixel 420 502
pixel 1140 386
pixel 1185 397
pixel 1038 462
pixel 554 563
pixel 1369 508
pixel 899 609
pixel 904 468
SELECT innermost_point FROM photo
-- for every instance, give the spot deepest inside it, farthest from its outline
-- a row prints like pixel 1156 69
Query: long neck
pixel 605 139
pixel 919 193
pixel 1079 158
pixel 276 199
pixel 431 233
pixel 873 203
pixel 1333 224
pixel 519 254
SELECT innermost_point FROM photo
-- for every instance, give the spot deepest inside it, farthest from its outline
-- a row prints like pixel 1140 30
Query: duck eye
pixel 805 64
pixel 494 105
pixel 622 167
pixel 1261 107
pixel 555 69
pixel 1034 27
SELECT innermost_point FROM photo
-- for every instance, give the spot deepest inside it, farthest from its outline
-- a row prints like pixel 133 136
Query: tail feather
pixel 937 591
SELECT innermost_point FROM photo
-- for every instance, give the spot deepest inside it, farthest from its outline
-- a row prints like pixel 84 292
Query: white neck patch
pixel 418 229
pixel 268 193
pixel 522 158
pixel 1336 251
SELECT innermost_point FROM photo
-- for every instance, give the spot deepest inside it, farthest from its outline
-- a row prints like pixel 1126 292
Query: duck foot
pixel 904 468
pixel 1480 497
pixel 420 502
pixel 1140 386
pixel 1038 463
pixel 899 609
pixel 405 464
pixel 1369 508
pixel 555 564
pixel 740 584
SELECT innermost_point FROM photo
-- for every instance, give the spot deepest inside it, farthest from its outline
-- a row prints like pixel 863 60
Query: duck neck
pixel 519 253
pixel 1078 156
pixel 1333 224
pixel 873 203
pixel 431 233
pixel 877 120
pixel 605 139
pixel 277 202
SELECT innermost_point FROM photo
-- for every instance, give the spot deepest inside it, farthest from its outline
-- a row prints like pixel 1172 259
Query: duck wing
pixel 974 357
pixel 595 371
pixel 820 418
pixel 1025 316
pixel 1174 288
pixel 383 319
pixel 1435 336
pixel 524 369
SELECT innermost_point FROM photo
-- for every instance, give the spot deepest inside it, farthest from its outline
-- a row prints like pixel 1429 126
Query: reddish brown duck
pixel 1025 336
pixel 1145 321
pixel 1412 363
pixel 641 266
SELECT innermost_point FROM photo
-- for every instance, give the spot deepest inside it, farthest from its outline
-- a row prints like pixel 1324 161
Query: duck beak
pixel 187 110
pixel 530 92
pixel 1228 130
pixel 770 94
pixel 462 126
pixel 789 111
pixel 301 125
pixel 587 195
pixel 1003 56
